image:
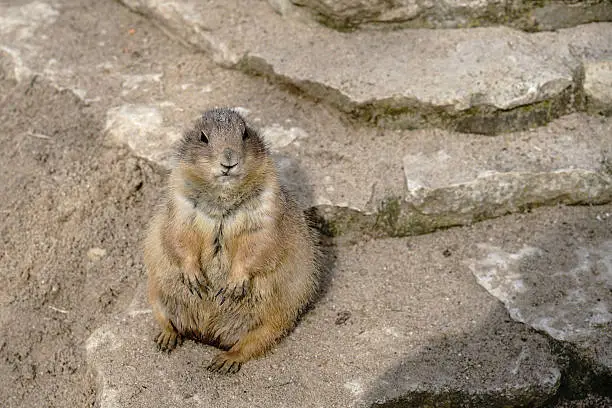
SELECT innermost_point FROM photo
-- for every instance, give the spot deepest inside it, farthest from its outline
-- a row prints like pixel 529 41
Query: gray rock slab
pixel 484 80
pixel 568 296
pixel 560 14
pixel 528 15
pixel 397 320
pixel 141 129
pixel 28 52
pixel 19 25
pixel 411 182
pixel 598 86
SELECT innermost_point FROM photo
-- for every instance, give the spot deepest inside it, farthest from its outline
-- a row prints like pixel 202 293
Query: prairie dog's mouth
pixel 227 176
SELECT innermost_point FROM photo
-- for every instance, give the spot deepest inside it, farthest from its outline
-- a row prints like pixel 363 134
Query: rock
pixel 141 128
pixel 414 182
pixel 352 13
pixel 529 15
pixel 420 78
pixel 12 65
pixel 554 15
pixel 21 22
pixel 279 137
pixel 569 305
pixel 598 86
pixel 18 24
pixel 482 80
pixel 565 295
pixel 133 82
pixel 457 180
pixel 416 333
pixel 283 7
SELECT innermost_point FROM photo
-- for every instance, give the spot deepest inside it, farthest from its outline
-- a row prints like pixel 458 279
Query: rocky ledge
pixel 480 80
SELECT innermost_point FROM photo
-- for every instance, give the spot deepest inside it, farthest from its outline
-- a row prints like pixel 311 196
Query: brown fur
pixel 230 259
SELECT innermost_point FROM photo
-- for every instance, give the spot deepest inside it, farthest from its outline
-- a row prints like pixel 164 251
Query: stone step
pixel 482 80
pixel 404 322
pixel 399 183
pixel 524 14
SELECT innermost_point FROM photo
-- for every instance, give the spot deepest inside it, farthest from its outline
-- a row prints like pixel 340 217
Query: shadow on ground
pixel 558 283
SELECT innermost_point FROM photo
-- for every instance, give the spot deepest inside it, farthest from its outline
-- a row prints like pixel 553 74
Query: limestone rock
pixel 413 182
pixel 598 86
pixel 561 14
pixel 12 66
pixel 21 22
pixel 571 304
pixel 18 24
pixel 141 128
pixel 350 13
pixel 278 136
pixel 482 80
pixel 524 14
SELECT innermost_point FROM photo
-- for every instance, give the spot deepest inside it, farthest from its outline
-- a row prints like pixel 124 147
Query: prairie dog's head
pixel 221 149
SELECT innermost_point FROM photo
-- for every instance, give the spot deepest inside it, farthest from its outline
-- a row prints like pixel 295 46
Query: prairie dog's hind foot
pixel 168 340
pixel 252 344
pixel 225 363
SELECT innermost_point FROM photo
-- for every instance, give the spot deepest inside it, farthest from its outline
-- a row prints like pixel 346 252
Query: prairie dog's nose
pixel 229 159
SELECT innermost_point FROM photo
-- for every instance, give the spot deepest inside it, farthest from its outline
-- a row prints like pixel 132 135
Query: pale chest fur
pixel 218 230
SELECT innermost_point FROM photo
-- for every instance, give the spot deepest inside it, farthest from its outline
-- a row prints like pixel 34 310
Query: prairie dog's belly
pixel 217 269
pixel 207 318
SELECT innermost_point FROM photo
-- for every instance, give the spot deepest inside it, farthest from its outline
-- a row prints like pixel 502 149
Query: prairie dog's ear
pixel 250 132
pixel 253 138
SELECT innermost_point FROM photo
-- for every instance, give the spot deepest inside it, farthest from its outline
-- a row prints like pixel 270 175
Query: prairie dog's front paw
pixel 195 281
pixel 236 288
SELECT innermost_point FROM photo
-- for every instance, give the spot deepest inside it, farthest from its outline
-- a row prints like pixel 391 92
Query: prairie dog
pixel 230 258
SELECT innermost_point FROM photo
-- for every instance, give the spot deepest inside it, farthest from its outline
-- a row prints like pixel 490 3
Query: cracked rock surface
pixel 483 80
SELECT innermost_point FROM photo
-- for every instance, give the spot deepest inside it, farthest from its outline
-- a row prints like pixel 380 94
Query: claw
pixel 196 284
pixel 197 292
pixel 167 341
pixel 223 364
pixel 234 368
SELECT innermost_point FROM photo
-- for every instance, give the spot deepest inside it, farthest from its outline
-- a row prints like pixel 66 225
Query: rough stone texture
pixel 582 305
pixel 406 329
pixel 18 24
pixel 400 321
pixel 141 128
pixel 486 80
pixel 568 296
pixel 598 86
pixel 414 182
pixel 525 14
pixel 21 22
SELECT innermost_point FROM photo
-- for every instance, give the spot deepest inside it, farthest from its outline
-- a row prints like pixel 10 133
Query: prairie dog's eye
pixel 203 137
pixel 245 134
